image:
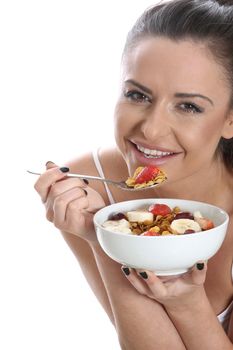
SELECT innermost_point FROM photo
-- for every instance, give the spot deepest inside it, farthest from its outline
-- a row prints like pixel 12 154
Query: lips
pixel 153 153
pixel 147 154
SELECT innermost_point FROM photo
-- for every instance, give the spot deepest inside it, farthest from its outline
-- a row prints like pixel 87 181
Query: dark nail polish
pixel 144 275
pixel 200 266
pixel 86 181
pixel 64 169
pixel 85 191
pixel 126 271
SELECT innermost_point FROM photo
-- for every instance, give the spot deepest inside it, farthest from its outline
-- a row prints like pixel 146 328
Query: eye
pixel 189 107
pixel 137 96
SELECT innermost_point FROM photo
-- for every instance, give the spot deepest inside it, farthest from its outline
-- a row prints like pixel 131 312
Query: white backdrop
pixel 59 70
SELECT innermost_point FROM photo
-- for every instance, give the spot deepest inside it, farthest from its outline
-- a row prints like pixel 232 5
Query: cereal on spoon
pixel 146 177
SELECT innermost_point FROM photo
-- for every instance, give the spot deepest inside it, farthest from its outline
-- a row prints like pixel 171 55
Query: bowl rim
pixel 196 234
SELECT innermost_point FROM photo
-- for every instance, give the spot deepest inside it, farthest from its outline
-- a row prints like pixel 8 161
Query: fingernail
pixel 200 266
pixel 144 275
pixel 64 169
pixel 49 161
pixel 86 181
pixel 126 271
pixel 85 191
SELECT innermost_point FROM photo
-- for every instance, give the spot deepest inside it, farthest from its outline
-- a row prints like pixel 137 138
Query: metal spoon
pixel 120 184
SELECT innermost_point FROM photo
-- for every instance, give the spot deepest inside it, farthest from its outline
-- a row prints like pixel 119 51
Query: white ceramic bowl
pixel 165 255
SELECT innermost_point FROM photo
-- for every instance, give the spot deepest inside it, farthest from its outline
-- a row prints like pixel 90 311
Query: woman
pixel 175 111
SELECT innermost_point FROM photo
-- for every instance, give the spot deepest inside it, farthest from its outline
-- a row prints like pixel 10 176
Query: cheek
pixel 122 123
pixel 118 126
pixel 204 137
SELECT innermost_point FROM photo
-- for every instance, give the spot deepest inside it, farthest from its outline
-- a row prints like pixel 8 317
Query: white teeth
pixel 149 153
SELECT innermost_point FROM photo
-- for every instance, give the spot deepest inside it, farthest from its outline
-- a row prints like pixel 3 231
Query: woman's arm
pixel 85 257
pixel 64 199
pixel 199 327
pixel 141 322
pixel 70 205
pixel 187 305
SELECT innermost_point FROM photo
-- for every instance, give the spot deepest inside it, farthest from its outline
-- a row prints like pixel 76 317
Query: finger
pixel 136 282
pixel 95 200
pixel 64 185
pixel 73 200
pixel 198 272
pixel 59 194
pixel 50 165
pixel 58 189
pixel 153 282
pixel 47 179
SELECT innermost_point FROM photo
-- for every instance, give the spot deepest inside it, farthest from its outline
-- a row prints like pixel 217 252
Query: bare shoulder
pixel 82 164
pixel 113 164
pixel 110 160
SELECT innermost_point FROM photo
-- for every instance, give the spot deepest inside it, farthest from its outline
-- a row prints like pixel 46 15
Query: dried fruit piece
pixel 184 215
pixel 206 224
pixel 117 216
pixel 189 231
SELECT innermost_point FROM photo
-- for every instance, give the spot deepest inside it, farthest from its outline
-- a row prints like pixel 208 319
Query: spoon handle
pixel 88 177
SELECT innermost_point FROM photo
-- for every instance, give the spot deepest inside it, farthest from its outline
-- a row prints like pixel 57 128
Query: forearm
pixel 141 322
pixel 87 263
pixel 199 327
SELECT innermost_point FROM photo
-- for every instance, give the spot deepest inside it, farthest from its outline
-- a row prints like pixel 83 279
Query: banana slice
pixel 117 226
pixel 179 226
pixel 141 216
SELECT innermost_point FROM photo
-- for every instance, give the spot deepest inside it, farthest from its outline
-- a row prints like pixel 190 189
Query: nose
pixel 156 123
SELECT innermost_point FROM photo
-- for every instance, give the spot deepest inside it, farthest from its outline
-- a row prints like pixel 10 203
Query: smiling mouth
pixel 152 153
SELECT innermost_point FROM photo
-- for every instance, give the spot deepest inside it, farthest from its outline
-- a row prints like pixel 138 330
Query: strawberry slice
pixel 150 233
pixel 147 174
pixel 160 209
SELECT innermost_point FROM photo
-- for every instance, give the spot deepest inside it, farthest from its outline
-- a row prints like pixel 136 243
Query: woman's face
pixel 172 108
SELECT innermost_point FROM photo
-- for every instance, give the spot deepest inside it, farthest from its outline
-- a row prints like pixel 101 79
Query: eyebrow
pixel 182 94
pixel 140 86
pixel 178 94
